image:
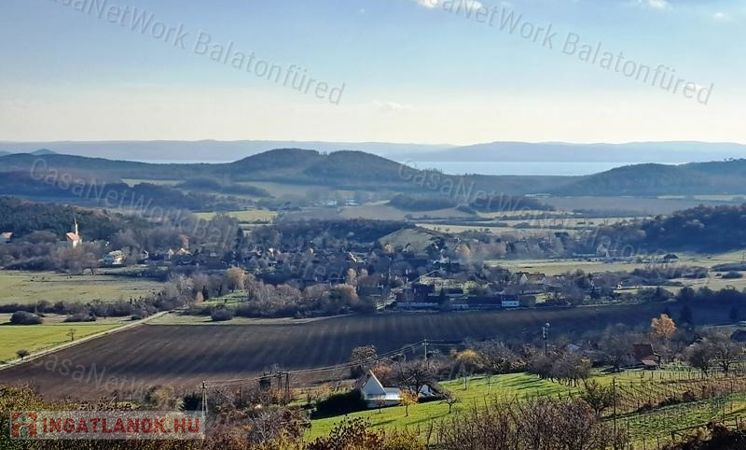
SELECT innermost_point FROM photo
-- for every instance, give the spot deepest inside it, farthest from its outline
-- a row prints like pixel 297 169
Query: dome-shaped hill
pixel 358 166
pixel 641 179
pixel 282 158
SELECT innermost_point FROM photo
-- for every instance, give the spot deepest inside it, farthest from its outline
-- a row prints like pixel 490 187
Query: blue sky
pixel 412 71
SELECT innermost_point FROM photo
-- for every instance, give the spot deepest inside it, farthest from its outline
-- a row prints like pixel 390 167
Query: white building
pixel 511 304
pixel 375 395
pixel 115 258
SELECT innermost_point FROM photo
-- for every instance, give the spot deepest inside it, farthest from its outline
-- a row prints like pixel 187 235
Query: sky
pixel 420 71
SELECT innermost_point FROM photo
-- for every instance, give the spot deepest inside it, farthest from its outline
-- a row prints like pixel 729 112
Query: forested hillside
pixel 704 229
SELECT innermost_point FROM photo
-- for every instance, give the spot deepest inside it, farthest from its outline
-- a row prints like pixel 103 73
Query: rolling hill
pixel 722 177
pixel 207 150
pixel 356 170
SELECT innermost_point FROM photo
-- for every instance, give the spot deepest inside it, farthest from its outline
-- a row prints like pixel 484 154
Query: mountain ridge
pixel 360 170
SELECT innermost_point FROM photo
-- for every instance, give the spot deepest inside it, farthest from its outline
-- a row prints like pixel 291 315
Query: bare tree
pixel 724 351
pixel 699 355
pixel 497 358
pixel 597 396
pixel 362 358
pixel 450 399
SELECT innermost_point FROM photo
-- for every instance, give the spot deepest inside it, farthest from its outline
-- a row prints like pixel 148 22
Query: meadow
pixel 560 266
pixel 247 216
pixel 470 392
pixel 645 427
pixel 31 287
pixel 35 338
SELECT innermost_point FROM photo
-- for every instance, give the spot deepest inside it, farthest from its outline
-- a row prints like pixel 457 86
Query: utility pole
pixel 545 336
pixel 427 359
pixel 204 400
pixel 287 387
pixel 613 390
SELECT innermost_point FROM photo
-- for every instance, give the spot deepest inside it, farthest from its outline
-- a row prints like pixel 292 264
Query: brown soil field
pixel 182 356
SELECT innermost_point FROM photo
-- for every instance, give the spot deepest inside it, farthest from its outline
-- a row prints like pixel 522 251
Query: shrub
pixel 221 315
pixel 339 404
pixel 198 310
pixel 191 402
pixel 732 275
pixel 358 434
pixel 25 318
pixel 80 317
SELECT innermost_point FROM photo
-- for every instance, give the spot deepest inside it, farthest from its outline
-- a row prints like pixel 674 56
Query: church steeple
pixel 74 237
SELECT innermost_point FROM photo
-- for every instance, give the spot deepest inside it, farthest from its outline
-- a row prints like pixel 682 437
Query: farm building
pixel 375 395
pixel 431 391
pixel 511 303
pixel 645 356
pixel 115 258
pixel 6 237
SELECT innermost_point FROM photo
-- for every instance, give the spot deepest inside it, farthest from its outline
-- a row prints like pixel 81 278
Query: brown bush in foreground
pixel 356 434
pixel 537 425
pixel 720 438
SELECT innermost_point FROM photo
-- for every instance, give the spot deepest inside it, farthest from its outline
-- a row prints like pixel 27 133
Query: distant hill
pixel 356 170
pixel 43 152
pixel 724 177
pixel 40 152
pixel 344 169
pixel 204 151
pixel 672 152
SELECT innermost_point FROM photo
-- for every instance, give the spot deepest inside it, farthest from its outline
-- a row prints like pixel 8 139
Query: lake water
pixel 517 168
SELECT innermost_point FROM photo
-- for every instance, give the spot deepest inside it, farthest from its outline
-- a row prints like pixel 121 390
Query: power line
pixel 409 348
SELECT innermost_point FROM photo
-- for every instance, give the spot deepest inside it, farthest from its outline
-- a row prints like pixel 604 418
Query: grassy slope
pixel 31 287
pixel 254 215
pixel 477 391
pixel 40 337
pixel 659 424
pixel 507 387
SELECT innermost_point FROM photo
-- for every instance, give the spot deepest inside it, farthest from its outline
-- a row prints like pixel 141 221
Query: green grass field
pixel 31 287
pixel 658 425
pixel 35 338
pixel 504 388
pixel 559 266
pixel 134 181
pixel 248 216
pixel 477 391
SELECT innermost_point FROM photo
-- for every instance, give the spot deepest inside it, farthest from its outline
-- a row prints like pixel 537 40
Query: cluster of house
pixel 509 291
pixel 376 395
pixel 428 296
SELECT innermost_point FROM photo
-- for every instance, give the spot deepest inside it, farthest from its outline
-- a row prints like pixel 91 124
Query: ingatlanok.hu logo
pixel 106 425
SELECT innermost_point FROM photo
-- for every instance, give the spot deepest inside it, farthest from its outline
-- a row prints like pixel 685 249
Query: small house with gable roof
pixel 375 394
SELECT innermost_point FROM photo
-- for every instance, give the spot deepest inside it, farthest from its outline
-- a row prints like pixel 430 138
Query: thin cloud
pixel 386 106
pixel 656 4
pixel 469 5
